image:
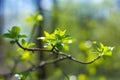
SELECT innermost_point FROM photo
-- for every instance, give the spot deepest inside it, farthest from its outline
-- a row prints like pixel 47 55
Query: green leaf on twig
pixel 102 49
pixel 34 18
pixel 58 38
pixel 14 33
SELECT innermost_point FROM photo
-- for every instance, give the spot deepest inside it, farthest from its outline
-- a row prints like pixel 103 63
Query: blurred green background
pixel 85 20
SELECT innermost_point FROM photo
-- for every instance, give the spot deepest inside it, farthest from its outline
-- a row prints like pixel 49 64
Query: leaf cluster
pixel 102 49
pixel 35 18
pixel 58 38
pixel 26 55
pixel 14 34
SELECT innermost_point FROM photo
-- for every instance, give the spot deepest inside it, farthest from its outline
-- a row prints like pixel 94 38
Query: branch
pixel 31 49
pixel 82 62
pixel 43 63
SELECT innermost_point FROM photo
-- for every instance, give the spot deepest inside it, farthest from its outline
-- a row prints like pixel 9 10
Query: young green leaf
pixel 23 41
pixel 58 38
pixel 108 51
pixel 39 17
pixel 103 50
pixel 15 30
pixel 30 19
pixel 34 18
pixel 59 46
pixel 7 35
pixel 14 34
pixel 26 55
pixel 22 36
pixel 26 44
pixel 46 34
pixel 13 41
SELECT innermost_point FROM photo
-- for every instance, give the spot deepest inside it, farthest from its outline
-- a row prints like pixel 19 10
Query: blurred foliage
pixel 35 18
pixel 82 77
pixel 87 21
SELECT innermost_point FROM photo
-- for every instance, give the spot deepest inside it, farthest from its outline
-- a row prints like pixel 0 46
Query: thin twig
pixel 31 49
pixel 82 62
pixel 41 64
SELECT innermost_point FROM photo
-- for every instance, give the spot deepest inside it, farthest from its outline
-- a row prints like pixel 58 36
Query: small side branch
pixel 41 64
pixel 31 49
pixel 82 62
